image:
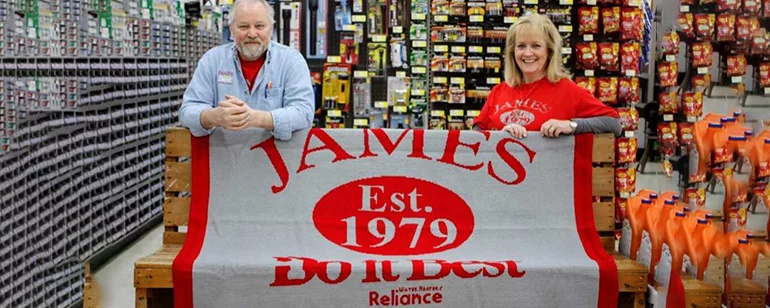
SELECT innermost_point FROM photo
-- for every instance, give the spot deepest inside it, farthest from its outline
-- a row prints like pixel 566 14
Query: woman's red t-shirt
pixel 531 105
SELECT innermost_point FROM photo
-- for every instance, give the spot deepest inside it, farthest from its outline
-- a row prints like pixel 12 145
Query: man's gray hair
pixel 268 6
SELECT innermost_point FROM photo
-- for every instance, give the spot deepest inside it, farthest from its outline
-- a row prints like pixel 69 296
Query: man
pixel 252 82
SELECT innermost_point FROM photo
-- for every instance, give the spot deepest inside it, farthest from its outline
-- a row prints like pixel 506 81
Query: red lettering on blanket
pixel 453 143
pixel 421 270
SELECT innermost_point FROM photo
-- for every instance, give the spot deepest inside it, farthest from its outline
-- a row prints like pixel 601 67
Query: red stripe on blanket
pixel 584 215
pixel 196 230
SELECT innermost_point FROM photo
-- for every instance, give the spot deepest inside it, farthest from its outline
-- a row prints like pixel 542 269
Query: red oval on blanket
pixel 394 215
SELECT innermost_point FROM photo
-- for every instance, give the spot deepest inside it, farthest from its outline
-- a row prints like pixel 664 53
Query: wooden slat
pixel 608 242
pixel 632 275
pixel 178 143
pixel 141 298
pixel 160 259
pixel 153 278
pixel 603 181
pixel 177 177
pixel 176 211
pixel 604 148
pixel 173 238
pixel 604 216
pixel 698 293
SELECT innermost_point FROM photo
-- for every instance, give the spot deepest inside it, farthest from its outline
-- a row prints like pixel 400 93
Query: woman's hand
pixel 516 130
pixel 554 128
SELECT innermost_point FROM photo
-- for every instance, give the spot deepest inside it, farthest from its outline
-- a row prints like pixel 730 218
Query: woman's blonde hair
pixel 538 25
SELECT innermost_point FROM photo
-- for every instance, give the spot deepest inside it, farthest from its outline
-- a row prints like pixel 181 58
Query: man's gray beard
pixel 252 52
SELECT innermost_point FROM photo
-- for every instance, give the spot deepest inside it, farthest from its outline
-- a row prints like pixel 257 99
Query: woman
pixel 537 94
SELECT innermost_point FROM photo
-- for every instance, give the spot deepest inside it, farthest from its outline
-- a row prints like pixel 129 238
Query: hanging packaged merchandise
pixel 398 93
pixel 476 9
pixel 630 54
pixel 589 19
pixel 587 56
pixel 668 73
pixel 703 2
pixel 626 150
pixel 588 83
pixel 349 49
pixel 362 105
pixel 418 32
pixel 766 5
pixel 316 29
pixel 456 119
pixel 667 138
pixel 745 28
pixel 475 64
pixel 628 90
pixel 336 86
pixel 457 64
pixel 693 105
pixel 667 103
pixel 475 35
pixel 457 94
pixel 439 63
pixel 728 5
pixel 437 119
pixel 376 18
pixel 457 8
pixel 493 64
pixel 701 83
pixel 629 118
pixel 702 54
pixel 625 180
pixel 342 15
pixel 736 65
pixel 631 24
pixel 396 12
pixel 448 33
pixel 611 19
pixel 608 56
pixel 726 28
pixel 439 94
pixel 419 58
pixel 289 24
pixel 760 44
pixel 398 56
pixel 478 95
pixel 607 90
pixel 687 2
pixel 751 7
pixel 670 43
pixel 377 58
pixel 471 115
pixel 704 26
pixel 685 133
pixel 686 24
pixel 764 74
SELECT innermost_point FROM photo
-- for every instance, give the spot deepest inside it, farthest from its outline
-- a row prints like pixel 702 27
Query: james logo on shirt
pixel 520 114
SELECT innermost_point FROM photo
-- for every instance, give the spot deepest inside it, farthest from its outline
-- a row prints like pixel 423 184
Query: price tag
pixel 767 91
pixel 737 79
pixel 456 112
pixel 401 74
pixel 670 58
pixel 351 28
pixel 591 2
pixel 360 74
pixel 419 44
pixel 418 16
pixel 588 37
pixel 703 70
pixel 668 117
pixel 635 3
pixel 437 113
pixel 457 80
pixel 398 29
pixel 493 49
pixel 565 2
pixel 476 49
pixel 334 59
pixel 624 195
pixel 400 109
pixel 418 93
pixel 476 18
pixel 692 119
pixel 530 1
pixel 566 50
pixel 361 122
pixel 473 113
pixel 493 80
pixel 419 70
pixel 441 18
pixel 379 38
pixel 565 28
pixel 439 80
pixel 630 73
pixel 629 134
pixel 510 19
pixel 380 104
pixel 684 8
pixel 589 73
pixel 333 113
pixel 358 18
pixel 458 49
pixel 441 48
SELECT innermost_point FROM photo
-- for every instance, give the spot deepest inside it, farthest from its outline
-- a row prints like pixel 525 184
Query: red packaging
pixel 625 180
pixel 667 103
pixel 589 19
pixel 668 73
pixel 728 5
pixel 701 83
pixel 611 19
pixel 745 27
pixel 706 1
pixel 607 90
pixel 628 90
pixel 587 56
pixel 704 26
pixel 629 54
pixel 693 104
pixel 764 74
pixel 736 65
pixel 751 7
pixel 667 138
pixel 760 44
pixel 686 25
pixel 767 8
pixel 726 28
pixel 609 2
pixel 626 150
pixel 687 2
pixel 685 133
pixel 629 118
pixel 608 56
pixel 702 54
pixel 764 169
pixel 631 24
pixel 588 83
pixel 670 43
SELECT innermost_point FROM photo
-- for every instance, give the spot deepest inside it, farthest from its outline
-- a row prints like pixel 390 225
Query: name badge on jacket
pixel 225 77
